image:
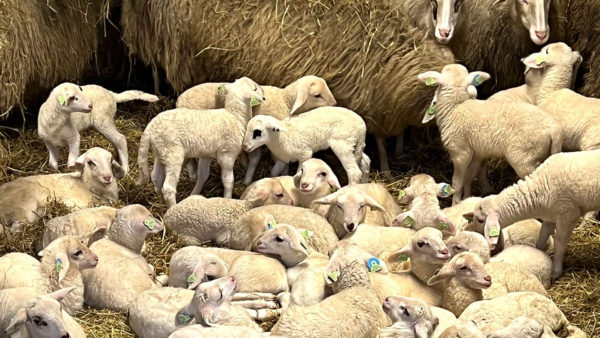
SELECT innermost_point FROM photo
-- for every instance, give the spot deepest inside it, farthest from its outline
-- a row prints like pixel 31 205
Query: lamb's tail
pixel 130 95
pixel 556 142
pixel 143 159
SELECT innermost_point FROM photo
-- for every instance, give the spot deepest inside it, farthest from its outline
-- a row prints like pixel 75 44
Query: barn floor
pixel 577 293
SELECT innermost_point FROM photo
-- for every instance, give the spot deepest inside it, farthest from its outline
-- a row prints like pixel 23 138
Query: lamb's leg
pixel 383 159
pixel 277 168
pixel 203 171
pixel 399 146
pixel 255 304
pixel 365 167
pixel 545 232
pixel 239 296
pixel 226 162
pixel 472 171
pixel 253 160
pixel 158 176
pixel 192 167
pixel 484 183
pixel 461 163
pixel 156 80
pixel 74 144
pixel 263 314
pixel 169 189
pixel 118 140
pixel 53 153
pixel 348 160
pixel 564 229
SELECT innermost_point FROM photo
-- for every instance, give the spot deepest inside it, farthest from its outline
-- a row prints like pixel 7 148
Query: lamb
pixel 122 273
pixel 558 192
pixel 456 213
pixel 304 94
pixel 520 327
pixel 177 134
pixel 71 108
pixel 24 200
pixel 424 209
pixel 61 266
pixel 508 278
pixel 363 203
pixel 193 331
pixel 86 225
pixel 528 259
pixel 525 232
pixel 314 180
pixel 26 312
pixel 469 241
pixel 458 115
pixel 297 138
pixel 175 308
pixel 188 268
pixel 414 318
pixel 380 240
pixel 197 219
pixel 405 284
pixel 336 315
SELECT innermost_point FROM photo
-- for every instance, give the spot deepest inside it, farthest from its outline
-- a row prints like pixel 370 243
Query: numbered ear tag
pixel 62 100
pixel 221 90
pixel 477 80
pixel 443 226
pixel 430 81
pixel 540 60
pixel 446 190
pixel 272 225
pixel 184 318
pixel 191 278
pixel 401 194
pixel 254 102
pixel 149 223
pixel 494 232
pixel 334 276
pixel 306 233
pixel 408 221
pixel 431 110
pixel 402 258
pixel 58 265
pixel 374 264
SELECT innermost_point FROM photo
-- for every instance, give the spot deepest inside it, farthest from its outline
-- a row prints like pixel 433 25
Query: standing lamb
pixel 122 273
pixel 298 138
pixel 457 116
pixel 304 94
pixel 177 134
pixel 70 109
pixel 560 191
pixel 23 201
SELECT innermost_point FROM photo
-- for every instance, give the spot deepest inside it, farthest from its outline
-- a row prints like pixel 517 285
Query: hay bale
pixel 43 43
pixel 368 52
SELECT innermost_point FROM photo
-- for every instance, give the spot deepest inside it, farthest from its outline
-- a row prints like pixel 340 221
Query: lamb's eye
pixel 422 244
pixel 78 253
pixel 318 96
pixel 279 239
pixel 76 98
pixel 210 277
pixel 362 206
pixel 340 207
pixel 480 220
pixel 91 163
pixel 323 173
pixel 279 195
pixel 256 134
pixel 457 5
pixel 458 248
pixel 464 267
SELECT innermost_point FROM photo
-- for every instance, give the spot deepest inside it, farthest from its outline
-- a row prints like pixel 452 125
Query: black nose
pixel 351 226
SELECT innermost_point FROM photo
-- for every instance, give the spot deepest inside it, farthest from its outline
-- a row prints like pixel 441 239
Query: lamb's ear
pixel 19 318
pixel 444 190
pixel 431 78
pixel 447 271
pixel 476 78
pixel 297 243
pixel 97 234
pixel 535 60
pixel 329 199
pixel 297 178
pixel 444 223
pixel 258 196
pixel 273 125
pixel 401 255
pixel 332 272
pixel 207 313
pixel 469 216
pixel 185 315
pixel 372 203
pixel 301 97
pixel 332 179
pixel 405 219
pixel 196 277
pixel 269 223
pixel 492 229
pixel 118 171
pixel 59 295
pixel 422 328
pixel 80 162
pixel 61 265
pixel 405 195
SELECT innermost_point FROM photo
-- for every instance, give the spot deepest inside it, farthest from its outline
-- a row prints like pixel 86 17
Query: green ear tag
pixel 332 190
pixel 469 219
pixel 402 258
pixel 401 194
pixel 272 225
pixel 540 59
pixel 221 90
pixel 334 276
pixel 192 278
pixel 149 223
pixel 431 110
pixel 443 226
pixel 62 101
pixel 430 81
pixel 184 318
pixel 58 265
pixel 408 221
pixel 306 233
pixel 477 80
pixel 446 190
pixel 494 232
pixel 254 102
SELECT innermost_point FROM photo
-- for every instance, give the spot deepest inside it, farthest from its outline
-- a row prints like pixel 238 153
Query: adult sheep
pixel 368 52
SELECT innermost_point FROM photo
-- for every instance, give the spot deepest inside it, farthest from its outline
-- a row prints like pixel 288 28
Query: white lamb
pixel 379 240
pixel 60 267
pixel 528 259
pixel 197 330
pixel 70 109
pixel 298 138
pixel 122 273
pixel 189 267
pixel 456 213
pixel 469 241
pixel 177 134
pixel 424 209
pixel 302 95
pixel 28 313
pixel 414 318
pixel 23 201
pixel 360 203
pixel 470 133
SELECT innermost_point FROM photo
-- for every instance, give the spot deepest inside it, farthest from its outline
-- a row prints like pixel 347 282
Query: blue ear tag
pixel 374 264
pixel 446 190
pixel 58 264
pixel 272 225
pixel 477 80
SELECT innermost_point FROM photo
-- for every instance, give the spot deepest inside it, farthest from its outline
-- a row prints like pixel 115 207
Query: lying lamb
pixel 413 318
pixel 70 109
pixel 23 201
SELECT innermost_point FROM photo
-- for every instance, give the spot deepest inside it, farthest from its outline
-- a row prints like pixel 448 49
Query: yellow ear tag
pixel 58 265
pixel 408 221
pixel 401 194
pixel 431 110
pixel 192 278
pixel 402 258
pixel 446 190
pixel 430 81
pixel 540 60
pixel 477 80
pixel 272 225
pixel 443 226
pixel 254 102
pixel 184 318
pixel 221 90
pixel 61 100
pixel 149 223
pixel 334 276
pixel 494 232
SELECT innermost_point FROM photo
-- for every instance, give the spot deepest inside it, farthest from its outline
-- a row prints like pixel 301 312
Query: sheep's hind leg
pixel 203 171
pixel 383 159
pixel 253 160
pixel 169 189
pixel 564 229
pixel 545 232
pixel 74 144
pixel 226 162
pixel 461 163
pixel 53 153
pixel 118 140
pixel 192 167
pixel 277 168
pixel 158 176
pixel 348 160
pixel 484 183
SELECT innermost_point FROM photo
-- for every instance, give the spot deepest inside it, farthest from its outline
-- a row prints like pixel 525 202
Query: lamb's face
pixel 247 90
pixel 486 220
pixel 534 17
pixel 428 242
pixel 71 98
pixel 444 14
pixel 554 54
pixel 80 255
pixel 216 292
pixel 313 175
pixel 139 220
pixel 404 309
pixel 283 241
pixel 468 241
pixel 317 93
pixel 257 134
pixel 470 271
pixel 98 165
pixel 268 191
